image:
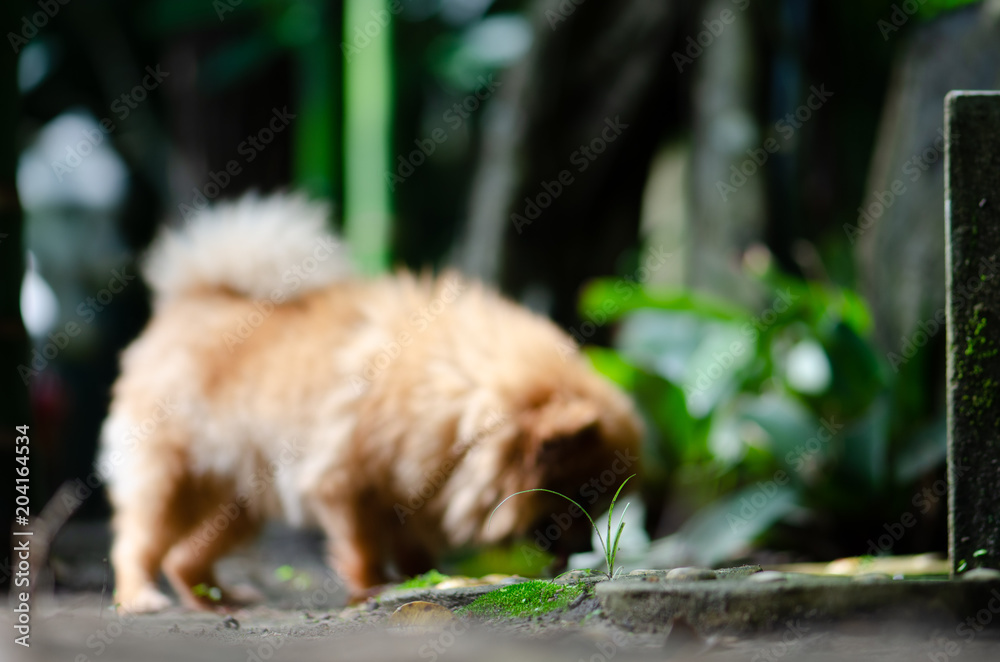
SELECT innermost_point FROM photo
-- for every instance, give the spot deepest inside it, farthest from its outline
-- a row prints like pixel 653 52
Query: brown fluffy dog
pixel 395 412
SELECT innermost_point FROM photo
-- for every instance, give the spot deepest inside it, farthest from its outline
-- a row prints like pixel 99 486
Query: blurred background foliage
pixel 785 427
pixel 439 128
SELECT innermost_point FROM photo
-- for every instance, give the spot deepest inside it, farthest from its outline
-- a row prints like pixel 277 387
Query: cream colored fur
pixel 396 413
pixel 249 246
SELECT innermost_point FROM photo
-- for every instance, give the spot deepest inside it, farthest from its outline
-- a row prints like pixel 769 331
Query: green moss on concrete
pixel 977 336
pixel 524 600
pixel 978 347
pixel 426 580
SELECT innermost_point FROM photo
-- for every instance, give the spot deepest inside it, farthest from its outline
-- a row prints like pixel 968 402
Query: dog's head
pixel 577 435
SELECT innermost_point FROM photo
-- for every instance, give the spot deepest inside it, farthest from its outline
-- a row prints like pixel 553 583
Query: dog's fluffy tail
pixel 275 247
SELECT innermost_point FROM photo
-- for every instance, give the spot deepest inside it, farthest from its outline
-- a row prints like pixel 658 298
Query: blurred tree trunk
pixel 212 123
pixel 590 104
pixel 14 407
pixel 900 244
pixel 726 219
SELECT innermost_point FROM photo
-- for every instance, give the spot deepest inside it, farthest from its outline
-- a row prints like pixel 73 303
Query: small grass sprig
pixel 213 593
pixel 609 552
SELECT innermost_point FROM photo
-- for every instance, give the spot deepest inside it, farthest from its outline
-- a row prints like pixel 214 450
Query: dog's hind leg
pixel 223 525
pixel 146 524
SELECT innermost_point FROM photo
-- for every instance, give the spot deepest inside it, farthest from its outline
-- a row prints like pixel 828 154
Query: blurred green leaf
pixel 788 423
pixel 727 438
pixel 854 312
pixel 714 370
pixel 684 437
pixel 661 341
pixel 704 357
pixel 617 296
pixel 670 411
pixel 610 364
pixel 858 374
pixel 821 304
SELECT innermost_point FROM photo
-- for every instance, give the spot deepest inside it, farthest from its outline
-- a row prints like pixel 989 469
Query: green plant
pixel 609 552
pixel 777 423
pixel 213 593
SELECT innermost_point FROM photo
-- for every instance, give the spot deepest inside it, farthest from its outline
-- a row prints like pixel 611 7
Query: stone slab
pixel 746 606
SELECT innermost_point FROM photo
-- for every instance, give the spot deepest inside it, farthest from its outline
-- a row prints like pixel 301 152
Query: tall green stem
pixel 367 36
